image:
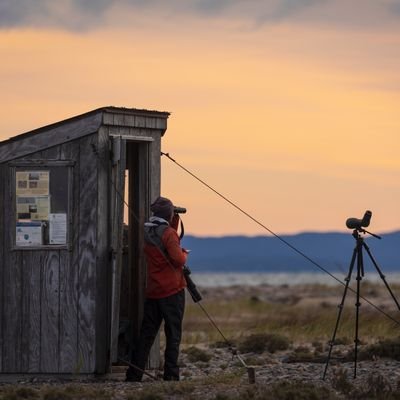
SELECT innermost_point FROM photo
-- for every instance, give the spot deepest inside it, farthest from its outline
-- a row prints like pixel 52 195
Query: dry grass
pixel 308 320
pixel 46 392
pixel 302 317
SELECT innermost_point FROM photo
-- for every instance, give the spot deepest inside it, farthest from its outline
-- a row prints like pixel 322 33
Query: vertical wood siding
pixel 103 270
pixel 154 171
pixel 69 261
pixel 87 255
pixel 12 285
pixel 140 203
pixel 31 311
pixel 49 305
pixel 48 314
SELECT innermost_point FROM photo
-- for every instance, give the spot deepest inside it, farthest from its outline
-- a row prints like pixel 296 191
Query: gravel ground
pixel 209 380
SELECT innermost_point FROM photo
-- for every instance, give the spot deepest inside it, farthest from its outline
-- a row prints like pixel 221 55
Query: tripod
pixel 357 256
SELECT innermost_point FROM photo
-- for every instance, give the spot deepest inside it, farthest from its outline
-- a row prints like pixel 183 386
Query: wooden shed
pixel 62 191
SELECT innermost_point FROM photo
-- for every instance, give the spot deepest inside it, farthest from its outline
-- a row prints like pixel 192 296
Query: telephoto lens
pixel 191 287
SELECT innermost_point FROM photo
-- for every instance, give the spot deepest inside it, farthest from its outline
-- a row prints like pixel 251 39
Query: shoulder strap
pixel 153 236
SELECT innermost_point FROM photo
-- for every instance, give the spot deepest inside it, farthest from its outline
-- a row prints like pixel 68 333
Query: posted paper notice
pixel 32 183
pixel 58 228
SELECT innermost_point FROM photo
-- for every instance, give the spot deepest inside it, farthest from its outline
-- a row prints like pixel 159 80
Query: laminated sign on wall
pixel 29 234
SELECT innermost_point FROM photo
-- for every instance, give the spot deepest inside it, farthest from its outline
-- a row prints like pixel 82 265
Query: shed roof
pixel 81 125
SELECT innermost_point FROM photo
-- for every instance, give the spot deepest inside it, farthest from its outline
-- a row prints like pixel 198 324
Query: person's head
pixel 162 208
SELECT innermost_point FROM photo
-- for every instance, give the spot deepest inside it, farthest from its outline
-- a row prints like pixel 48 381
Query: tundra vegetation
pixel 266 325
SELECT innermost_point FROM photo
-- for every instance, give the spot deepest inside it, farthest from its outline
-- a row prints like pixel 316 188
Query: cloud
pixel 64 14
pixel 78 15
pixel 394 6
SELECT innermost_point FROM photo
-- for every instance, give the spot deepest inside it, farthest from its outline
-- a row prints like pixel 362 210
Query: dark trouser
pixel 170 309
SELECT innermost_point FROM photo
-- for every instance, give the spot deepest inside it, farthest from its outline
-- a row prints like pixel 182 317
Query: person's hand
pixel 175 221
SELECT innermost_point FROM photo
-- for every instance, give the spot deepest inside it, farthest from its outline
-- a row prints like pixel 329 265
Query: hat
pixel 163 208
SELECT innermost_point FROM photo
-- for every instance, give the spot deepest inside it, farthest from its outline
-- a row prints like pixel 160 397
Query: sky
pixel 289 108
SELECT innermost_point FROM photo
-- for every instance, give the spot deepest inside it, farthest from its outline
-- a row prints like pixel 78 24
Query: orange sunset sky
pixel 291 108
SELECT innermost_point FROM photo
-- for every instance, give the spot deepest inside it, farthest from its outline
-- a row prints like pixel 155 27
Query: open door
pixel 128 261
pixel 116 224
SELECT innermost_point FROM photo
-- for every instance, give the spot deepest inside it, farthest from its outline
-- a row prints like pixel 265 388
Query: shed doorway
pixel 131 172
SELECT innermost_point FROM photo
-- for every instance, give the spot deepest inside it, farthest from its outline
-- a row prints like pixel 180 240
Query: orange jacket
pixel 165 268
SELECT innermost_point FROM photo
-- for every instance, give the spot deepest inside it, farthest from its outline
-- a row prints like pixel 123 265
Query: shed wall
pixel 49 315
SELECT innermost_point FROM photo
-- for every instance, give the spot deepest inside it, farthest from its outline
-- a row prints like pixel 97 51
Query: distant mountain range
pixel 332 251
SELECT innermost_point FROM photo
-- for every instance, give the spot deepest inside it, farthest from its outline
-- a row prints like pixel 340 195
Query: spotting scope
pixel 179 210
pixel 356 223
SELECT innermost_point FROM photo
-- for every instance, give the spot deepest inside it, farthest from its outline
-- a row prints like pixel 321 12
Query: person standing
pixel 165 291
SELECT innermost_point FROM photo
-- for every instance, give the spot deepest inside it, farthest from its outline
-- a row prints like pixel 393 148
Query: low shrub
pixel 318 346
pixel 222 344
pixel 303 354
pixel 376 387
pixel 258 343
pixel 300 391
pixel 16 393
pixel 340 381
pixel 195 354
pixel 283 391
pixel 72 392
pixel 389 348
pixel 344 340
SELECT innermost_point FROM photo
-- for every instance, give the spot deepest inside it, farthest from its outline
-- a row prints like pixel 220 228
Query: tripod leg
pixel 360 273
pixel 381 275
pixel 340 306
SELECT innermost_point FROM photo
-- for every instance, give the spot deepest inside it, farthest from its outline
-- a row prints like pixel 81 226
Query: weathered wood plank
pixel 50 303
pixel 146 134
pixel 43 139
pixel 140 121
pixel 87 255
pixel 129 120
pixel 12 286
pixel 103 275
pixel 161 123
pixel 151 122
pixel 108 118
pixel 3 169
pixel 69 265
pixel 118 190
pixel 135 308
pixel 68 334
pixel 155 169
pixel 118 119
pixel 31 311
pixel 154 178
pixel 12 314
pixel 52 153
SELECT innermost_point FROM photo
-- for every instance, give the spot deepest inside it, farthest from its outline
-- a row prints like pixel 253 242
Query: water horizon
pixel 211 279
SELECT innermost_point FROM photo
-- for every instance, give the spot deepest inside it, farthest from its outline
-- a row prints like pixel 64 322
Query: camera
pixel 179 210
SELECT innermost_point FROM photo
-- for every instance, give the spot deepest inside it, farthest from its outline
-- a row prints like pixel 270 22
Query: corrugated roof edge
pixel 125 110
